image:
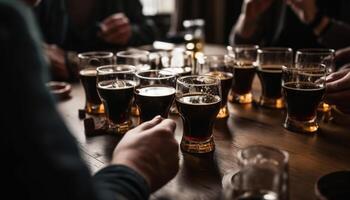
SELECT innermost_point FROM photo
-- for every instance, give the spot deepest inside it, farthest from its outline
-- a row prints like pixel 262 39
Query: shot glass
pixel 88 62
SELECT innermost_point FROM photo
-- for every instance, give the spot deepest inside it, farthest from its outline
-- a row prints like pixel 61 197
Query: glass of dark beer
pixel 219 67
pixel 243 70
pixel 115 86
pixel 155 93
pixel 269 69
pixel 303 89
pixel 88 62
pixel 263 174
pixel 198 100
pixel 316 56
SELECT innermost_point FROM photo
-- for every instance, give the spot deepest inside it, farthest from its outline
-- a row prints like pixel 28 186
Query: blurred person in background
pixel 293 23
pixel 71 26
pixel 42 158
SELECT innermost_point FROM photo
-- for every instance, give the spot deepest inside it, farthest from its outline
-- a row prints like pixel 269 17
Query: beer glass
pixel 198 100
pixel 243 70
pixel 316 56
pixel 115 86
pixel 263 174
pixel 194 35
pixel 138 58
pixel 303 90
pixel 155 93
pixel 269 69
pixel 219 67
pixel 88 62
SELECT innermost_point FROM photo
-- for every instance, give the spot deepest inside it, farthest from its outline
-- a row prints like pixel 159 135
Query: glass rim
pixel 182 82
pixel 94 54
pixel 315 51
pixel 242 46
pixel 275 50
pixel 132 54
pixel 284 153
pixel 320 67
pixel 166 76
pixel 131 69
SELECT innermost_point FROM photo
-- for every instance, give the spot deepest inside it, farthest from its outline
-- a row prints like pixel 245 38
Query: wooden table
pixel 200 177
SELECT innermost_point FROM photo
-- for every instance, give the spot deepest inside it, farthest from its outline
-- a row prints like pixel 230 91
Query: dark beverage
pixel 198 112
pixel 243 77
pixel 226 83
pixel 154 100
pixel 88 79
pixel 116 96
pixel 271 78
pixel 302 99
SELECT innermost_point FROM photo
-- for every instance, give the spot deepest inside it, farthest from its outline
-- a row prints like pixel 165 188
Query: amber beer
pixel 302 100
pixel 153 101
pixel 226 82
pixel 198 112
pixel 243 73
pixel 117 97
pixel 88 80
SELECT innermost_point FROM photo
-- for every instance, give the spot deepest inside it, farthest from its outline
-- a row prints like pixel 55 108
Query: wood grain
pixel 200 176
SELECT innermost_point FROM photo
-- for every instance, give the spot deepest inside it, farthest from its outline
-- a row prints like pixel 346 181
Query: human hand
pixel 252 9
pixel 151 150
pixel 305 9
pixel 56 57
pixel 342 57
pixel 116 29
pixel 338 90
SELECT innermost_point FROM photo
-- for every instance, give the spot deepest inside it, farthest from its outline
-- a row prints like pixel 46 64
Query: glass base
pixel 301 126
pixel 223 113
pixel 191 146
pixel 93 109
pixel 240 98
pixel 324 107
pixel 119 128
pixel 271 103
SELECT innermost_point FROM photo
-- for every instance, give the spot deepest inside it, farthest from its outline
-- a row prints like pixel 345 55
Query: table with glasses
pixel 201 176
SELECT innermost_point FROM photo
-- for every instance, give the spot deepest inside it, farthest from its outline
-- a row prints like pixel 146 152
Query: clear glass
pixel 141 60
pixel 115 86
pixel 155 93
pixel 303 89
pixel 198 100
pixel 263 174
pixel 88 62
pixel 316 56
pixel 194 35
pixel 269 69
pixel 243 69
pixel 219 67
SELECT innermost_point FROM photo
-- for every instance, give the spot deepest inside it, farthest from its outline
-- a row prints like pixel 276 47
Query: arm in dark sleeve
pixel 43 160
pixel 336 36
pixel 143 29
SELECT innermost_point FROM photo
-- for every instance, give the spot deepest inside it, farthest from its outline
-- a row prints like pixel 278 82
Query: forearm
pixel 120 182
pixel 335 35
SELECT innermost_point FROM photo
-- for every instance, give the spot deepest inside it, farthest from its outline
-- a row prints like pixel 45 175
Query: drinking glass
pixel 198 100
pixel 303 90
pixel 263 175
pixel 155 93
pixel 316 56
pixel 138 58
pixel 194 35
pixel 243 70
pixel 115 86
pixel 219 67
pixel 269 69
pixel 88 62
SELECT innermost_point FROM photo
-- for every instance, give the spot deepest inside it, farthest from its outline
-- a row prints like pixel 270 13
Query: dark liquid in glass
pixel 302 99
pixel 198 112
pixel 270 79
pixel 243 78
pixel 226 79
pixel 117 98
pixel 88 79
pixel 153 101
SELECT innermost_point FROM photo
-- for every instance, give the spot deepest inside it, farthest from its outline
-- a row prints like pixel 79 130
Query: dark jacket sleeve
pixel 336 36
pixel 41 156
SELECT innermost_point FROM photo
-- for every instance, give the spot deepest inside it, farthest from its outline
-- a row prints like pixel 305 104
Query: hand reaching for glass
pixel 338 90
